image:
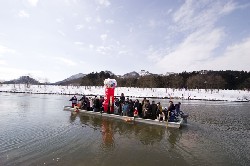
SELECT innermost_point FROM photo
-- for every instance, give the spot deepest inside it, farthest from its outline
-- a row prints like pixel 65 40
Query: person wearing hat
pixel 74 101
pixel 160 113
pixel 177 108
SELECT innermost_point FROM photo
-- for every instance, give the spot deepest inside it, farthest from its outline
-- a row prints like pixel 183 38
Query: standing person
pixel 143 102
pixel 138 105
pixel 84 102
pixel 96 104
pixel 74 101
pixel 145 111
pixel 101 103
pixel 177 108
pixel 160 114
pixel 171 112
pixel 122 98
pixel 116 106
pixel 153 108
pixel 131 108
pixel 125 108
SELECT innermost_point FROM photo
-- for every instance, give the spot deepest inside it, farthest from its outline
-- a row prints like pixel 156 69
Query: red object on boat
pixel 108 105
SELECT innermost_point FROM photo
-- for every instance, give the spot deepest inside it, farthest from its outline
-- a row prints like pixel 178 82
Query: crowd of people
pixel 132 108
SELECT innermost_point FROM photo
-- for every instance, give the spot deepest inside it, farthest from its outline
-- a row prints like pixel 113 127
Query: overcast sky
pixel 54 39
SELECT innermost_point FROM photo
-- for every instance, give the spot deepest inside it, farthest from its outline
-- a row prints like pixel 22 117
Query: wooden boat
pixel 182 121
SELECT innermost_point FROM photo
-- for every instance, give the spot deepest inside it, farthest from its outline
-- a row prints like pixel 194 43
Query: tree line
pixel 190 80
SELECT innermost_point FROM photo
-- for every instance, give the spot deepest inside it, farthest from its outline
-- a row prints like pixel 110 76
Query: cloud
pixel 79 27
pixel 78 43
pixel 104 37
pixel 65 61
pixel 4 50
pixel 2 62
pixel 8 73
pixel 23 14
pixel 109 21
pixel 33 2
pixel 61 33
pixel 104 49
pixel 235 57
pixel 59 20
pixel 193 52
pixel 193 15
pixel 104 3
pixel 88 19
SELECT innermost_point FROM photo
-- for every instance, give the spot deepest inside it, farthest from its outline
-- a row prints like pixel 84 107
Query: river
pixel 35 130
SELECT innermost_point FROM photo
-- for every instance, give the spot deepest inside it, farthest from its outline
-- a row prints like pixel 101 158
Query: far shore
pixel 131 92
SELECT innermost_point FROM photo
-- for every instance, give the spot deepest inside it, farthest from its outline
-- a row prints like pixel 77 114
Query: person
pixel 101 103
pixel 153 109
pixel 122 98
pixel 177 108
pixel 135 112
pixel 160 113
pixel 116 106
pixel 125 108
pixel 74 101
pixel 84 102
pixel 96 104
pixel 139 107
pixel 131 108
pixel 146 111
pixel 171 112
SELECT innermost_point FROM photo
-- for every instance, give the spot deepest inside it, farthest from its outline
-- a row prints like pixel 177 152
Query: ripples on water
pixel 36 131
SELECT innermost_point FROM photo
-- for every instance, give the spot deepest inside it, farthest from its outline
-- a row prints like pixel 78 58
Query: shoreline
pixel 154 93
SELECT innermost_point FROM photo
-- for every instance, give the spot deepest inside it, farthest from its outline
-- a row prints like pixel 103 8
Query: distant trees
pixel 191 80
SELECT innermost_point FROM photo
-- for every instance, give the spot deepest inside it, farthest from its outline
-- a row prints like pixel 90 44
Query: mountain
pixel 23 80
pixel 144 73
pixel 132 74
pixel 74 80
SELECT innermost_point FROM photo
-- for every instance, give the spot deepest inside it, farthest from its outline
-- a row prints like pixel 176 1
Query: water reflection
pixel 107 135
pixel 111 128
pixel 174 136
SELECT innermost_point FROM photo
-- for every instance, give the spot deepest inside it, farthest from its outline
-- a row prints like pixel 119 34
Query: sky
pixel 50 40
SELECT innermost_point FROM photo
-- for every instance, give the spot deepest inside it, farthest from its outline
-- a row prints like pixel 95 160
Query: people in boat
pixel 138 105
pixel 160 114
pixel 74 101
pixel 116 106
pixel 153 110
pixel 146 112
pixel 171 112
pixel 84 102
pixel 125 108
pixel 96 104
pixel 177 109
pixel 143 102
pixel 136 112
pixel 101 103
pixel 131 108
pixel 122 98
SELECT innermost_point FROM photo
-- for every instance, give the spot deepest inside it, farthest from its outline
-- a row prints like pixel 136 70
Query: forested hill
pixel 191 80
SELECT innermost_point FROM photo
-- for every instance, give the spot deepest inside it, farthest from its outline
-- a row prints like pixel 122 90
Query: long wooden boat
pixel 181 122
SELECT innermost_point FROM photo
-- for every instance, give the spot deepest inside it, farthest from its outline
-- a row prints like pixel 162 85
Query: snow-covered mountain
pixel 71 78
pixel 23 80
pixel 132 74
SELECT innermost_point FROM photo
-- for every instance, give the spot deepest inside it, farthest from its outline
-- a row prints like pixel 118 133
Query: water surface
pixel 36 131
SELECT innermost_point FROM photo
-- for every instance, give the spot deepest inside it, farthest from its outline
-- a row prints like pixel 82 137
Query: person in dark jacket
pixel 74 101
pixel 84 102
pixel 96 104
pixel 153 109
pixel 171 112
pixel 138 105
pixel 122 98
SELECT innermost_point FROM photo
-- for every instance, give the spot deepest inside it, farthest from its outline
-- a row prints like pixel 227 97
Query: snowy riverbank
pixel 194 94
